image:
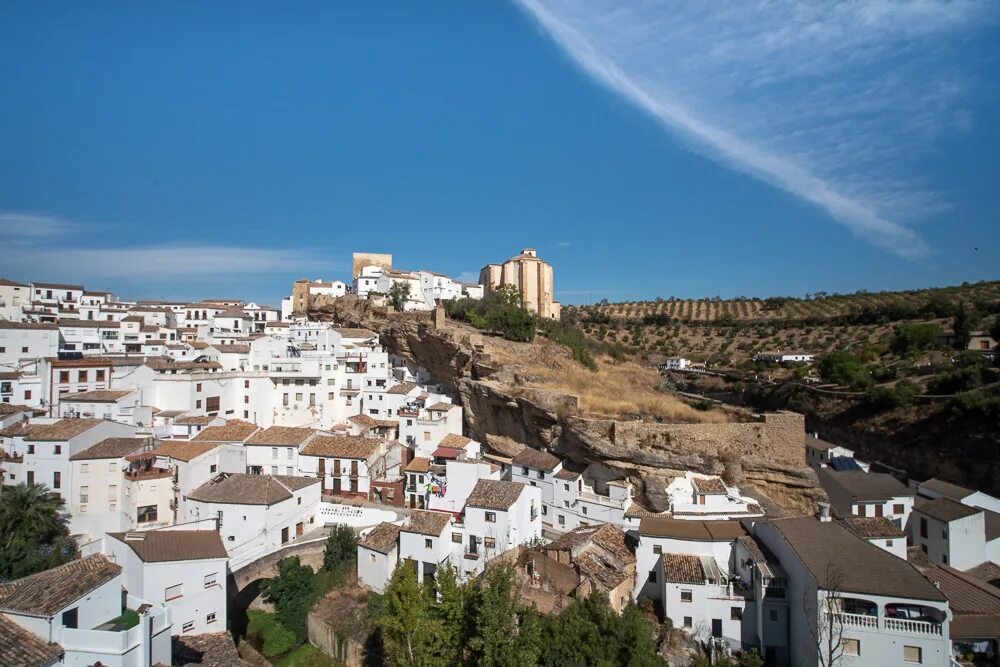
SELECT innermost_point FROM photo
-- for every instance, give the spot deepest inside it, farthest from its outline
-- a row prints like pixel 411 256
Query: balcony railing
pixel 153 473
pixel 859 621
pixel 912 626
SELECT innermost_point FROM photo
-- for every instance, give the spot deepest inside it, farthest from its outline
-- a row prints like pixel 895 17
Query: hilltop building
pixel 531 276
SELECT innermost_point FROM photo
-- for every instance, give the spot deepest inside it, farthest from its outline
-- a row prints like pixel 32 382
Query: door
pixel 298 528
pixel 322 476
pixel 717 627
pixel 878 510
pixel 354 476
pixel 336 476
pixel 284 535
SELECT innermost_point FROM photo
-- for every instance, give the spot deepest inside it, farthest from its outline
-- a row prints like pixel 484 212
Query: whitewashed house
pixel 14 296
pixel 26 340
pixel 275 451
pixel 194 463
pixel 182 570
pixel 367 280
pixel 879 531
pixel 708 497
pixel 498 516
pixel 345 465
pixel 820 453
pixel 378 554
pixel 257 514
pixel 954 534
pixel 425 542
pixel 121 405
pixel 857 493
pixel 72 615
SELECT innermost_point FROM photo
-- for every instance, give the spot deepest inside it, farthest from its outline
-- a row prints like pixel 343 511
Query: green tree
pixel 454 611
pixel 398 295
pixel 292 594
pixel 908 338
pixel 842 367
pixel 961 324
pixel 35 534
pixel 410 633
pixel 499 617
pixel 341 547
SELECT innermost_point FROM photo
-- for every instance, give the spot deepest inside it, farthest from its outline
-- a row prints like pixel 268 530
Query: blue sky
pixel 183 150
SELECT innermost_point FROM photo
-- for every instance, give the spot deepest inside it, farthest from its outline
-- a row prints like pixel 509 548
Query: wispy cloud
pixel 829 101
pixel 468 277
pixel 563 244
pixel 51 247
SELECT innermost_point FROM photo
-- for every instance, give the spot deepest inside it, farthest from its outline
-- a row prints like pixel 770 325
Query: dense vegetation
pixel 500 312
pixel 485 623
pixel 35 534
pixel 282 635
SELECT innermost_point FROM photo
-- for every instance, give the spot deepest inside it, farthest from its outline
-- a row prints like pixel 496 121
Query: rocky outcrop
pixel 766 451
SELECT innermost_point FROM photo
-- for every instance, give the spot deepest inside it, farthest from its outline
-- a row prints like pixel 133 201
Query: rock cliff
pixel 762 451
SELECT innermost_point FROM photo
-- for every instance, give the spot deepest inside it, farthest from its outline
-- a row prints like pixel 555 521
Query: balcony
pixel 598 499
pixel 152 473
pixel 911 626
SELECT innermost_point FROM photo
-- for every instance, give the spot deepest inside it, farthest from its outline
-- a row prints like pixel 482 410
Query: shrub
pixel 887 398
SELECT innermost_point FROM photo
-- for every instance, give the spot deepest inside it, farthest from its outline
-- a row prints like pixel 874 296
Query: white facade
pixel 14 296
pixel 24 341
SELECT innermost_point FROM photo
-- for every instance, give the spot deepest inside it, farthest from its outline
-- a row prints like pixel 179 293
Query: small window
pixel 584 509
pixel 371 557
pixel 210 580
pixel 524 470
pixel 735 614
pixel 84 467
pixel 562 520
pixel 852 647
pixel 686 596
pixel 888 543
pixel 57 449
pixel 188 627
pixel 913 654
pixel 565 487
pixel 897 508
pixel 489 543
pixel 210 618
pixel 652 577
pixel 173 592
pixel 491 517
pixel 687 622
pixel 428 543
pixel 456 538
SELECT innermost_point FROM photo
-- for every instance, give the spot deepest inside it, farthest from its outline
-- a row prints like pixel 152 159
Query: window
pixel 686 596
pixel 146 513
pixel 111 466
pixel 852 647
pixel 197 387
pixel 288 453
pixel 274 470
pixel 687 622
pixel 428 543
pixel 212 468
pixel 81 376
pixel 862 510
pixel 24 350
pixel 289 471
pixel 197 404
pixel 923 527
pixel 565 487
pixel 584 509
pixel 913 654
pixel 888 543
pixel 63 377
pixel 212 404
pixel 246 400
pixel 545 510
pixel 210 580
pixel 31 449
pixel 84 495
pixel 84 467
pixel 944 558
pixel 562 520
pixel 57 449
pixel 173 592
pixel 944 531
pixel 298 396
pixel 652 577
pixel 210 618
pixel 489 543
pixel 188 627
pixel 246 384
pixel 491 517
pixel 274 452
pixel 735 614
pixel 27 395
pixel 100 375
pixel 57 480
pixel 897 508
pixel 31 477
pixel 456 537
pixel 541 474
pixel 284 400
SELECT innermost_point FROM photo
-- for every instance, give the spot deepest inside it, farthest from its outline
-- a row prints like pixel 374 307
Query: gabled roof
pixel 454 441
pixel 341 446
pixel 282 436
pixel 241 489
pixel 492 494
pixel 947 489
pixel 418 464
pixel 110 448
pixel 49 592
pixel 347 332
pixel 19 646
pixel 194 420
pixel 426 522
pixel 871 527
pixel 64 429
pixel 441 406
pixel 234 430
pixel 699 531
pixel 183 450
pixel 383 538
pixel 945 509
pixel 161 546
pixel 862 485
pixel 534 458
pixel 683 569
pixel 826 546
pixel 402 388
pixel 98 396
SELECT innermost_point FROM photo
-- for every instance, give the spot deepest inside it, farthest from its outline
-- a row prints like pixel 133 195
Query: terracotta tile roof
pixel 760 554
pixel 110 448
pixel 348 332
pixel 234 430
pixel 637 511
pixel 494 494
pixel 709 485
pixel 15 430
pixel 363 420
pixel 418 464
pixel 454 441
pixel 49 592
pixel 683 569
pixel 241 489
pixel 567 474
pixel 7 282
pixel 945 509
pixel 383 538
pixel 873 527
pixel 62 286
pixel 441 406
pixel 426 522
pixel 604 535
pixel 402 388
pixel 10 408
pixel 862 485
pixel 534 458
pixel 864 567
pixel 183 450
pixel 98 396
pixel 161 546
pixel 213 649
pixel 9 324
pixel 281 436
pixel 446 453
pixel 64 429
pixel 701 531
pixel 20 647
pixel 341 446
pixel 195 420
pixel 232 349
pixel 165 364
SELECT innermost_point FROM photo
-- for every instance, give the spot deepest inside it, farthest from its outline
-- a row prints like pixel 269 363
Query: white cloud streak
pixel 828 101
pixel 20 226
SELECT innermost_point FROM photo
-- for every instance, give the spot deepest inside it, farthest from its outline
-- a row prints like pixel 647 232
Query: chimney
pixel 823 514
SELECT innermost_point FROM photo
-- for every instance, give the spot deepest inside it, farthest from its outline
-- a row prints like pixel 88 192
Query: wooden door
pixel 336 475
pixel 322 475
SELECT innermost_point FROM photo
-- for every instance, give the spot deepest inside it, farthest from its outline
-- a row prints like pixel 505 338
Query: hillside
pixel 729 332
